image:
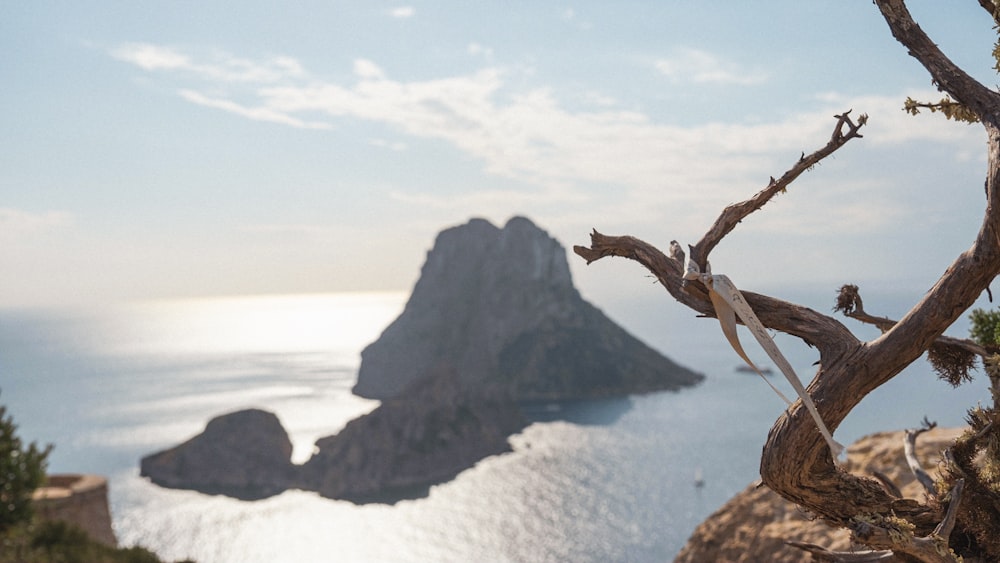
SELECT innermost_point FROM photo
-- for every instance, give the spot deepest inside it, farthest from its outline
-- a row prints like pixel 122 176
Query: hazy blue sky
pixel 157 149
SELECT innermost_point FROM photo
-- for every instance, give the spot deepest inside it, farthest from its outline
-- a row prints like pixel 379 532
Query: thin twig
pixel 909 450
pixel 824 555
pixel 845 130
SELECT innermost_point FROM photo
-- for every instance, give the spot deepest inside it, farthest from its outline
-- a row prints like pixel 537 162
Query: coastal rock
pixel 408 444
pixel 754 525
pixel 498 308
pixel 245 454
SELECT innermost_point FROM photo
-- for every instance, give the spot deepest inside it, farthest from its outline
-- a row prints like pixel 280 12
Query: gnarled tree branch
pixel 796 461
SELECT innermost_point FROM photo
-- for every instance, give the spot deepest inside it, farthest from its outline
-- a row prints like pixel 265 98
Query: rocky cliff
pixel 754 525
pixel 498 308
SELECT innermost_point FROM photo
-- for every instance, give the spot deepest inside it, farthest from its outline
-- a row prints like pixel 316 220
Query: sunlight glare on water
pixel 608 480
pixel 257 324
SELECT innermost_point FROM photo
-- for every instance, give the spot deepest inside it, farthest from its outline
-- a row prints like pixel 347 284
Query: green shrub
pixel 22 470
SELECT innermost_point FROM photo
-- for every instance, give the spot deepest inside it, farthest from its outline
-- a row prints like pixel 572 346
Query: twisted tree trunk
pixel 796 461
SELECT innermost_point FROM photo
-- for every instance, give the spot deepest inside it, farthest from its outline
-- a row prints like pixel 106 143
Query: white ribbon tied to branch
pixel 728 303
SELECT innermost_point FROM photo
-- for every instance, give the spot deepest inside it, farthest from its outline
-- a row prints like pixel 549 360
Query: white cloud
pixel 477 50
pixel 599 99
pixel 698 66
pixel 606 161
pixel 17 222
pixel 367 70
pixel 255 113
pixel 152 57
pixel 222 67
pixel 391 145
pixel 403 12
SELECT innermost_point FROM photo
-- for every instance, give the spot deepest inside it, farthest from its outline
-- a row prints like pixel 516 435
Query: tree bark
pixel 796 461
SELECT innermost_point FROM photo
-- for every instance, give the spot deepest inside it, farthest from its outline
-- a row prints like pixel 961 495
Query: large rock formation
pixel 493 320
pixel 498 308
pixel 754 525
pixel 245 454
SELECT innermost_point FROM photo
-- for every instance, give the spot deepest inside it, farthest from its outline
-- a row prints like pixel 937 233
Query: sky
pixel 185 149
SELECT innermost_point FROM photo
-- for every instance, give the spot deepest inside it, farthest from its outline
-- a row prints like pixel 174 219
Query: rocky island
pixel 497 308
pixel 493 321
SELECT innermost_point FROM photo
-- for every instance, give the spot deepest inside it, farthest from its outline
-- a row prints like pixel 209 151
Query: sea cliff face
pixel 497 308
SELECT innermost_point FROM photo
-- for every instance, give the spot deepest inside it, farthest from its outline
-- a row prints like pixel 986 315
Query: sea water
pixel 610 480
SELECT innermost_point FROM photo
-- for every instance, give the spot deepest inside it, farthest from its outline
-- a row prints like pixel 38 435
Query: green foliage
pixel 947 107
pixel 996 56
pixel 975 456
pixel 60 542
pixel 22 470
pixel 985 328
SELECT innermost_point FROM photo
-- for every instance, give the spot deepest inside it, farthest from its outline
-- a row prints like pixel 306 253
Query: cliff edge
pixel 754 525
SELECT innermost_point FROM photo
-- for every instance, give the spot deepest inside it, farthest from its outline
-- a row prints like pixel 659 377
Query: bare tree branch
pixel 845 130
pixel 794 463
pixel 948 76
pixel 824 555
pixel 992 9
pixel 909 451
pixel 850 304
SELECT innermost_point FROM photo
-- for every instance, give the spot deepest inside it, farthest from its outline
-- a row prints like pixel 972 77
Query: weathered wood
pixel 909 452
pixel 796 461
pixel 824 555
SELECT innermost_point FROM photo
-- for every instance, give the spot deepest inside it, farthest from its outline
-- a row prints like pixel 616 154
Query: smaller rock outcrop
pixel 754 525
pixel 245 454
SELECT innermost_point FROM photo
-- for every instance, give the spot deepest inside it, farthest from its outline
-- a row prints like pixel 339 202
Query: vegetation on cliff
pixel 26 538
pixel 22 470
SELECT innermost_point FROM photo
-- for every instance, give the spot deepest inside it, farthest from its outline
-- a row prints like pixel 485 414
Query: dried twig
pixel 845 130
pixel 824 555
pixel 909 450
